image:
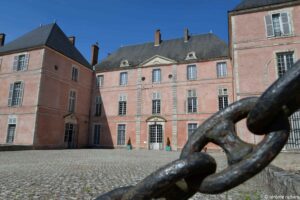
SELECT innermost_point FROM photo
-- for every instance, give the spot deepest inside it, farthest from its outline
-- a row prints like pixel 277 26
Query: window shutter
pixel 269 26
pixel 11 90
pixel 26 61
pixel 15 64
pixel 21 93
pixel 285 23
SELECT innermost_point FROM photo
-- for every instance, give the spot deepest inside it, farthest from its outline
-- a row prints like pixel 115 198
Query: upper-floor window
pixel 223 98
pixel 156 103
pixel 123 78
pixel 21 62
pixel 221 69
pixel 156 75
pixel 100 80
pixel 278 24
pixel 285 61
pixel 122 105
pixel 191 72
pixel 191 128
pixel 72 101
pixel 98 107
pixel 15 94
pixel 192 101
pixel 74 74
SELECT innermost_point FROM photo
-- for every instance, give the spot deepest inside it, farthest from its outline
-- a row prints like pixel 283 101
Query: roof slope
pixel 247 4
pixel 49 35
pixel 206 46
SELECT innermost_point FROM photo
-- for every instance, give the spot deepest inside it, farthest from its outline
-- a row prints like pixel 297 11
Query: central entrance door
pixel 156 136
pixel 70 132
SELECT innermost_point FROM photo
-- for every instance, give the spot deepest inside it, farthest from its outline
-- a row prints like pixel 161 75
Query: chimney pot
pixel 2 39
pixel 157 38
pixel 72 40
pixel 186 35
pixel 94 52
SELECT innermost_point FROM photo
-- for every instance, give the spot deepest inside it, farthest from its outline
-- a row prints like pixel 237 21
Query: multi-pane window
pixel 156 75
pixel 123 78
pixel 191 128
pixel 72 101
pixel 223 98
pixel 100 80
pixel 191 72
pixel 221 69
pixel 121 134
pixel 74 74
pixel 192 101
pixel 21 62
pixel 98 106
pixel 70 131
pixel 15 94
pixel 97 129
pixel 122 104
pixel 278 24
pixel 11 130
pixel 156 103
pixel 284 62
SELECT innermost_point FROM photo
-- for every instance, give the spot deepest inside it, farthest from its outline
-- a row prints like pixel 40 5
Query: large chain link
pixel 195 171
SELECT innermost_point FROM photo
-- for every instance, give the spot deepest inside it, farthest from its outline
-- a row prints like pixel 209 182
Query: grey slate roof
pixel 49 35
pixel 247 4
pixel 206 47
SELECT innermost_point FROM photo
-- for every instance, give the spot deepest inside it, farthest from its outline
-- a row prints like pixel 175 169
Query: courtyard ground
pixel 86 173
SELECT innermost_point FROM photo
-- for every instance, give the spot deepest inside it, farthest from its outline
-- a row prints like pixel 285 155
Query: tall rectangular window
pixel 21 62
pixel 156 103
pixel 284 62
pixel 278 24
pixel 74 74
pixel 98 106
pixel 97 129
pixel 191 72
pixel 192 101
pixel 156 76
pixel 100 80
pixel 221 69
pixel 122 105
pixel 15 94
pixel 121 134
pixel 123 78
pixel 72 101
pixel 223 98
pixel 191 128
pixel 11 130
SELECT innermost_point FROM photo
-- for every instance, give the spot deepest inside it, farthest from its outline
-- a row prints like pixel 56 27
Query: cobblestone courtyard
pixel 84 174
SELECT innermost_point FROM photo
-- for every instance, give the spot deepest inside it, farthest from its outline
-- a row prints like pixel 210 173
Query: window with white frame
pixel 278 24
pixel 98 106
pixel 97 130
pixel 156 103
pixel 21 62
pixel 72 101
pixel 122 105
pixel 192 101
pixel 74 74
pixel 100 80
pixel 123 78
pixel 223 98
pixel 191 128
pixel 121 134
pixel 285 61
pixel 11 129
pixel 221 69
pixel 191 72
pixel 16 91
pixel 156 76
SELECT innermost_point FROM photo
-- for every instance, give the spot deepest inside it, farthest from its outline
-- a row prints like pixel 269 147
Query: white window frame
pixel 191 72
pixel 156 75
pixel 123 78
pixel 12 120
pixel 72 101
pixel 285 60
pixel 122 105
pixel 99 80
pixel 120 141
pixel 192 94
pixel 223 98
pixel 75 73
pixel 19 65
pixel 156 103
pixel 187 131
pixel 271 15
pixel 15 98
pixel 222 69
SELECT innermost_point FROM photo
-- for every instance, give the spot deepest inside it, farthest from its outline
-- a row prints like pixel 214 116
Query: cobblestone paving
pixel 84 174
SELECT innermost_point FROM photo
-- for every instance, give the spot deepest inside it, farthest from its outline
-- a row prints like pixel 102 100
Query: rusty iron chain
pixel 195 171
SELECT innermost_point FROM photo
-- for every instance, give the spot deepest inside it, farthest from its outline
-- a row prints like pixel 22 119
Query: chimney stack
pixel 72 40
pixel 94 54
pixel 157 38
pixel 186 35
pixel 2 39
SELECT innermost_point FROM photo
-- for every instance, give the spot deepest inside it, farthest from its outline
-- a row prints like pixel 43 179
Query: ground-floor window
pixel 69 133
pixel 97 129
pixel 121 134
pixel 11 133
pixel 191 128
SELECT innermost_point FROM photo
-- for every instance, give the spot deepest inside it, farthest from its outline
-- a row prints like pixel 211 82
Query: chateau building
pixel 51 97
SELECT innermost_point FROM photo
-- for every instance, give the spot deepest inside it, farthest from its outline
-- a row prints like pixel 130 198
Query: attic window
pixel 124 63
pixel 191 55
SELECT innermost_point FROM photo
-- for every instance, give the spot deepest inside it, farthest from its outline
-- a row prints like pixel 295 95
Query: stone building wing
pixel 248 4
pixel 47 35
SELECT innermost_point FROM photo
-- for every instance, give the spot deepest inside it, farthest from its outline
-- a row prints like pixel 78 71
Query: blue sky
pixel 116 23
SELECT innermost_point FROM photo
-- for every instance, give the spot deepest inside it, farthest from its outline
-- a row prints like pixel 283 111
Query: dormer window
pixel 191 55
pixel 124 63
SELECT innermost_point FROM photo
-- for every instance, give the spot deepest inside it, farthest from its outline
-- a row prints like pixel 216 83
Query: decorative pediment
pixel 70 118
pixel 156 119
pixel 158 60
